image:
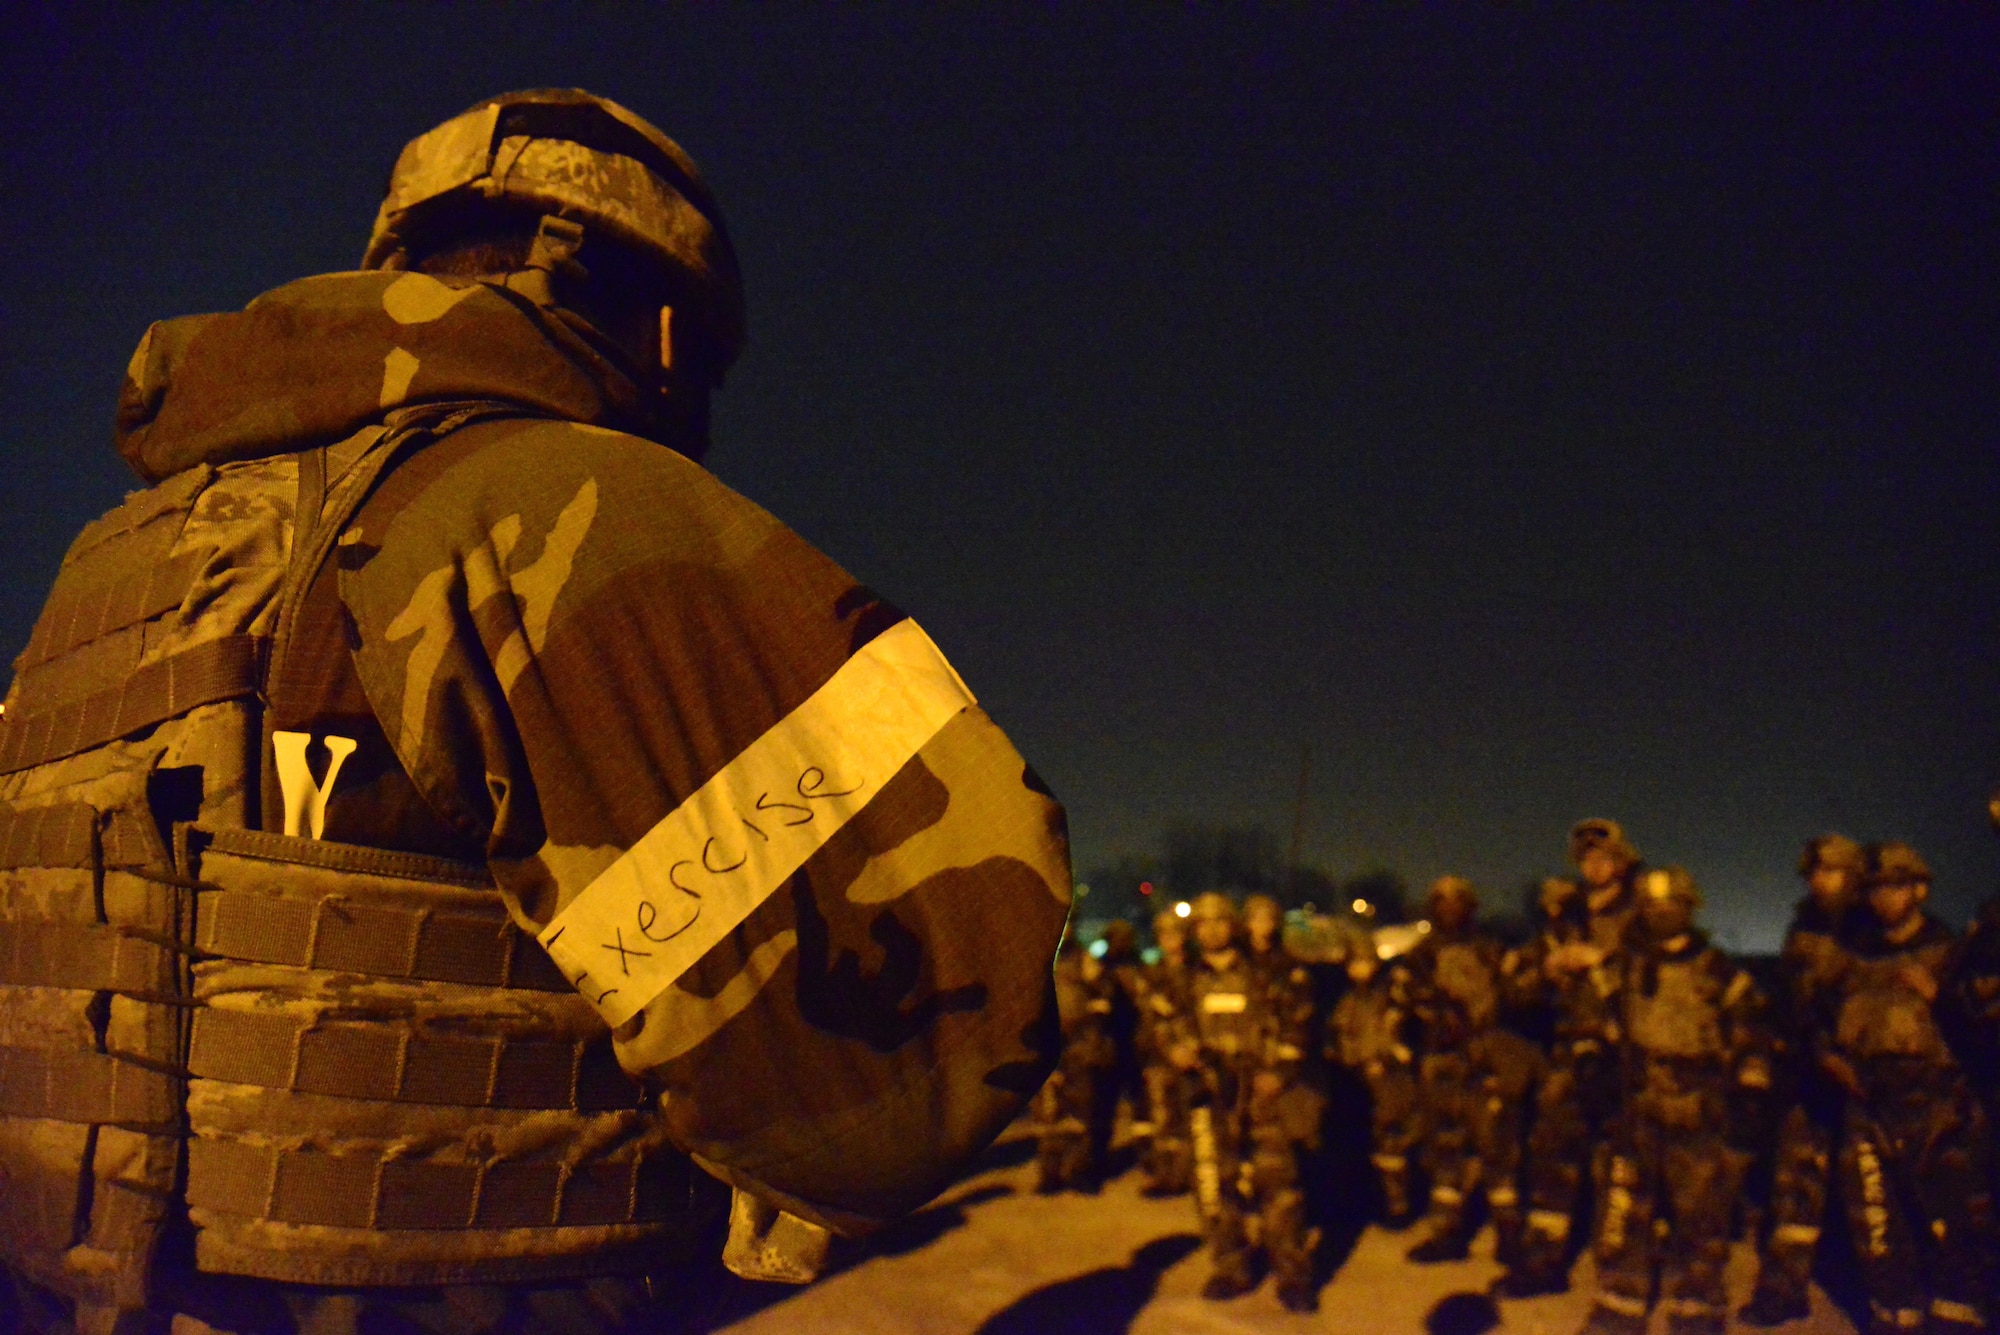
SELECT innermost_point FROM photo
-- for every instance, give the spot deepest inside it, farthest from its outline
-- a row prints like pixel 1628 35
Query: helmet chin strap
pixel 552 258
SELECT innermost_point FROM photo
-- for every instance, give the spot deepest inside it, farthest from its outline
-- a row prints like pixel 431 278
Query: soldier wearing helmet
pixel 1074 1107
pixel 1976 986
pixel 496 957
pixel 1808 1103
pixel 1914 1157
pixel 1579 1093
pixel 1372 1033
pixel 1242 1044
pixel 1451 982
pixel 1163 1004
pixel 1692 1046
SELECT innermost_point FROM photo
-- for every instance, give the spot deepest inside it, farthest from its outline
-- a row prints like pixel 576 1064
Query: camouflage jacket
pixel 1086 997
pixel 1885 997
pixel 1693 1028
pixel 1370 1028
pixel 545 634
pixel 1975 984
pixel 1160 992
pixel 1241 1015
pixel 1450 984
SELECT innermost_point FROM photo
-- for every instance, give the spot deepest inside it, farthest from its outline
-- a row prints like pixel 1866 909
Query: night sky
pixel 1539 416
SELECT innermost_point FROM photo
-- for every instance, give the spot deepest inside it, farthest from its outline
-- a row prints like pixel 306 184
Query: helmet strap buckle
pixel 551 258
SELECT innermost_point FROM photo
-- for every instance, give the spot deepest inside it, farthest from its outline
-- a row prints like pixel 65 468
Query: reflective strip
pixel 1447 1195
pixel 1690 1307
pixel 1964 1314
pixel 1503 1198
pixel 1796 1235
pixel 1549 1223
pixel 1393 1163
pixel 1619 1303
pixel 692 878
pixel 1224 1003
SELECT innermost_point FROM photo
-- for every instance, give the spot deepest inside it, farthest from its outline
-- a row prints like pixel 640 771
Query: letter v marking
pixel 305 801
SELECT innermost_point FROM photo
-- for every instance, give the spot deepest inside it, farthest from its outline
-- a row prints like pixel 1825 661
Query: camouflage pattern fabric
pixel 1246 1024
pixel 1808 1114
pixel 1692 1035
pixel 1915 1148
pixel 1074 1109
pixel 1368 1033
pixel 544 633
pixel 1162 997
pixel 1451 985
pixel 1577 1100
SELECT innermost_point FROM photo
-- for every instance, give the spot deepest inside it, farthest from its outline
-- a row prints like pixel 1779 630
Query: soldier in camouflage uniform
pixel 1370 1032
pixel 1693 1045
pixel 1450 982
pixel 1975 987
pixel 1163 1002
pixel 1241 1040
pixel 1579 1094
pixel 1809 1100
pixel 1913 1161
pixel 444 832
pixel 1073 1132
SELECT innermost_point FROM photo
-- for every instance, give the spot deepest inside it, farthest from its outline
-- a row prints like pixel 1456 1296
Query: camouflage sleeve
pixel 1522 986
pixel 566 632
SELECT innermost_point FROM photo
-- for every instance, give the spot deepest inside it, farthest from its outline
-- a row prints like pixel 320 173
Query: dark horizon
pixel 1539 415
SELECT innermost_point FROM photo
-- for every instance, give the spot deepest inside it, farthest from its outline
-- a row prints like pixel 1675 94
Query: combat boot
pixel 1544 1250
pixel 1773 1306
pixel 1450 1241
pixel 1227 1283
pixel 1508 1227
pixel 1298 1296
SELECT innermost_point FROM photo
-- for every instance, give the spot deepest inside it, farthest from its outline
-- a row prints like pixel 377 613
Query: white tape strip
pixel 693 877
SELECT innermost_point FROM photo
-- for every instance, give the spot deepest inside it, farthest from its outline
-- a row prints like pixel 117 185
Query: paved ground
pixel 990 1257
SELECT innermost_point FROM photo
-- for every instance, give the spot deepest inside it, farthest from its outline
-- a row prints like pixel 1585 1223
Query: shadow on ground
pixel 1463 1314
pixel 1098 1301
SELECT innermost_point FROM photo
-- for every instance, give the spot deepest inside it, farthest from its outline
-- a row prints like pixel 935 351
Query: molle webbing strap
pixel 389 1061
pixel 63 835
pixel 219 669
pixel 89 609
pixel 387 941
pixel 92 1087
pixel 378 1192
pixel 69 834
pixel 87 957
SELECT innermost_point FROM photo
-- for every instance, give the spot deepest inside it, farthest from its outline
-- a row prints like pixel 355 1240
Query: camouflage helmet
pixel 1670 883
pixel 1267 903
pixel 1452 887
pixel 1554 892
pixel 581 157
pixel 1831 850
pixel 1895 863
pixel 1168 920
pixel 1597 832
pixel 1213 905
pixel 1119 937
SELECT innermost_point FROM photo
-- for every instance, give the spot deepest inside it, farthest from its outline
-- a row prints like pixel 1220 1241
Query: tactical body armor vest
pixel 286 1057
pixel 1882 1016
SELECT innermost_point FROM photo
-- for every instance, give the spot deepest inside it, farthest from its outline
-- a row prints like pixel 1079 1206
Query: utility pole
pixel 1298 822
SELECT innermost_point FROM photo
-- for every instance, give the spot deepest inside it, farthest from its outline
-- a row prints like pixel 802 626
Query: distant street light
pixel 1182 909
pixel 1363 908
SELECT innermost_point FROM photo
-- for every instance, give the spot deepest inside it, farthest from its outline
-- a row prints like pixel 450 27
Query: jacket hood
pixel 318 359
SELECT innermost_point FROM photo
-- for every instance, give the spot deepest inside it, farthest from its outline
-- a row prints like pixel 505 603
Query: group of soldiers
pixel 1616 1080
